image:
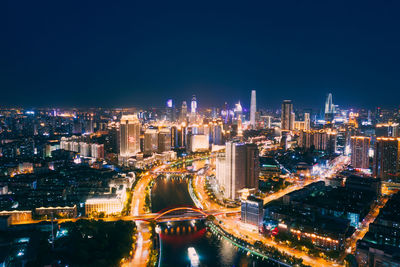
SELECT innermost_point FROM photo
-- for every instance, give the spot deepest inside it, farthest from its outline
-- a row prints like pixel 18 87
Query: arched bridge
pixel 180 213
pixel 200 213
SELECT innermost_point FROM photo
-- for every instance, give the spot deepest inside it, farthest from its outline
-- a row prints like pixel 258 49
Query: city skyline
pixel 200 134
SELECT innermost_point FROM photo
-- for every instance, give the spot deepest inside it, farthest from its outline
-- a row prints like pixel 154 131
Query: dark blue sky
pixel 104 53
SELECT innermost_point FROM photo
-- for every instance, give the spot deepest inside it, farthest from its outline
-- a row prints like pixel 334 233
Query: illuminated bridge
pixel 181 213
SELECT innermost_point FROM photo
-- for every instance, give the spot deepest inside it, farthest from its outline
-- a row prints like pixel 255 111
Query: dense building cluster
pixel 69 163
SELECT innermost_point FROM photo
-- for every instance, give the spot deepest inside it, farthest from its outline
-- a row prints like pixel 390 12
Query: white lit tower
pixel 253 109
pixel 193 105
pixel 329 108
pixel 193 110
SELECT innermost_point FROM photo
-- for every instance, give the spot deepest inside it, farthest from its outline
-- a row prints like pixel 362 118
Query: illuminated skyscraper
pixel 129 135
pixel 387 159
pixel 239 168
pixel 164 140
pixel 150 141
pixel 253 109
pixel 193 105
pixel 287 118
pixel 329 108
pixel 170 110
pixel 359 152
pixel 307 121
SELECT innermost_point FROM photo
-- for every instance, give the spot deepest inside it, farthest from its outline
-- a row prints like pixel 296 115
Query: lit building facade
pixel 287 116
pixel 108 205
pixel 164 140
pixel 199 142
pixel 129 135
pixel 387 130
pixel 360 152
pixel 387 158
pixel 239 169
pixel 253 109
pixel 150 141
pixel 252 211
pixel 322 140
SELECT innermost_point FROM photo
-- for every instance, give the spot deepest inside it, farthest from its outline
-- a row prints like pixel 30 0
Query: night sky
pixel 104 53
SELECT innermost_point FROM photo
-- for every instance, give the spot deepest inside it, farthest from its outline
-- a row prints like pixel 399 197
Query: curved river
pixel 179 236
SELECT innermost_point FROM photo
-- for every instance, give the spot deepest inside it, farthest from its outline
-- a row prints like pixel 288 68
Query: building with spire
pixel 193 105
pixel 329 108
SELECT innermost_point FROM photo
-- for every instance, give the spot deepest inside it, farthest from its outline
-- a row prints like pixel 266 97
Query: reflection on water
pixel 175 243
pixel 167 193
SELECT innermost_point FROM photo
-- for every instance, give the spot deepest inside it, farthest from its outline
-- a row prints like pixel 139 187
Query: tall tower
pixel 329 108
pixel 193 105
pixel 239 127
pixel 184 111
pixel 287 118
pixel 253 109
pixel 129 135
pixel 307 121
pixel 170 110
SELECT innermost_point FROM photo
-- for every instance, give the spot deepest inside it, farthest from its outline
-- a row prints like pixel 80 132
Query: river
pixel 167 193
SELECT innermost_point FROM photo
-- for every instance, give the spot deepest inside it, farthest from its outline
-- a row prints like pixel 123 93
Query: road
pixel 234 226
pixel 144 242
pixel 370 218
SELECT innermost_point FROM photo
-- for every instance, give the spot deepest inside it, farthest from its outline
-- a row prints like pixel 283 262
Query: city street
pixel 232 224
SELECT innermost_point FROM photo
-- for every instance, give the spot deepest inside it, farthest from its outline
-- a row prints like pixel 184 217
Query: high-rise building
pixel 174 137
pixel 217 133
pixel 129 135
pixel 303 125
pixel 322 140
pixel 84 149
pixel 389 129
pixel 150 141
pixel 329 108
pixel 193 105
pixel 182 136
pixel 287 118
pixel 307 121
pixel 360 152
pixel 169 110
pixel 183 111
pixel 164 140
pixel 97 151
pixel 253 109
pixel 387 158
pixel 252 211
pixel 239 169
